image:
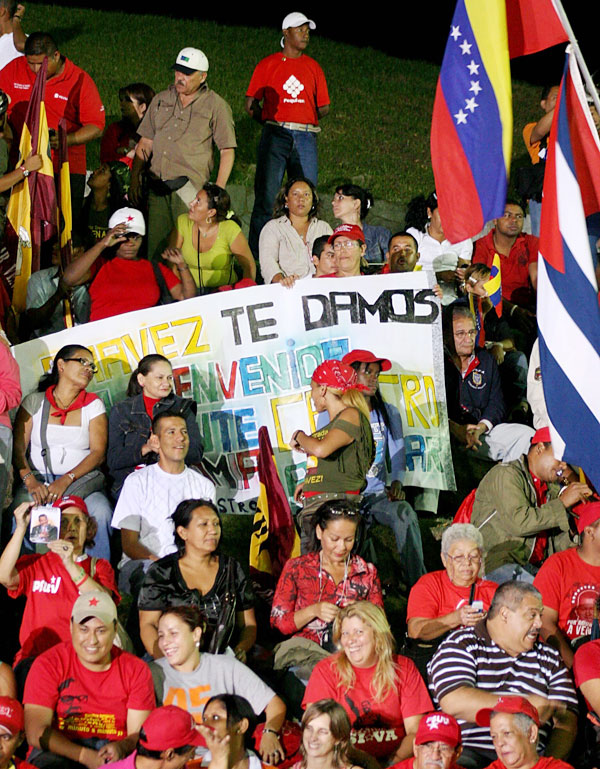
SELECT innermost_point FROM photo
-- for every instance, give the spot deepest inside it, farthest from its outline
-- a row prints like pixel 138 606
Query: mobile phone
pixel 477 605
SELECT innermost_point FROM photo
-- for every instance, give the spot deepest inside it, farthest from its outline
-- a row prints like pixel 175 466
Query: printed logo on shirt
pixel 294 87
pixel 581 616
pixel 476 379
pixel 60 96
pixel 22 86
pixel 41 586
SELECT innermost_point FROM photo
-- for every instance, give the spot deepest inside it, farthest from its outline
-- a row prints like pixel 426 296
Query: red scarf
pixel 80 401
pixel 541 540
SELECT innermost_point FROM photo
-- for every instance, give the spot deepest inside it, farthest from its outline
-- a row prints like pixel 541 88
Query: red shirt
pixel 434 595
pixel 117 136
pixel 571 587
pixel 124 285
pixel 378 724
pixel 51 593
pixel 89 703
pixel 546 762
pixel 514 267
pixel 72 95
pixel 291 90
pixel 586 664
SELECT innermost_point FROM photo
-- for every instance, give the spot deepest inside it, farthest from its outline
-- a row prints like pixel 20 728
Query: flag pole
pixel 578 55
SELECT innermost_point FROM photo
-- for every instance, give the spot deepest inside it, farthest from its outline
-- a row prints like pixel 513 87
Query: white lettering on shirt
pixel 41 586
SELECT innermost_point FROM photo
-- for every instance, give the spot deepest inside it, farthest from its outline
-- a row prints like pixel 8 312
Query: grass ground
pixel 377 133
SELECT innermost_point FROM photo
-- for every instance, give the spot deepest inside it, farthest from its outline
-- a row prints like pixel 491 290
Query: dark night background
pixel 411 29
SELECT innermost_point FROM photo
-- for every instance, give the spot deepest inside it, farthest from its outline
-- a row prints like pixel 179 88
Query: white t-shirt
pixel 437 256
pixel 148 499
pixel 69 445
pixel 8 52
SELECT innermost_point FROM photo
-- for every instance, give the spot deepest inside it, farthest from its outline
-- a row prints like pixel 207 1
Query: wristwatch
pixel 25 172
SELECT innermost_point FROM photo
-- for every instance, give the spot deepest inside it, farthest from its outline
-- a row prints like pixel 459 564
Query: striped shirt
pixel 469 657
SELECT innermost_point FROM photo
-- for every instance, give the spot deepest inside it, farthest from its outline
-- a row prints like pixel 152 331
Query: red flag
pixel 274 538
pixel 533 25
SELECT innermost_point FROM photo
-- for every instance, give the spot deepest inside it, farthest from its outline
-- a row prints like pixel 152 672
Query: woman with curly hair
pixel 382 692
pixel 285 245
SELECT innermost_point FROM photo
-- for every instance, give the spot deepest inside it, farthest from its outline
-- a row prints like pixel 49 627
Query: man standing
pixel 287 95
pixel 501 655
pixel 178 132
pixel 12 37
pixel 70 94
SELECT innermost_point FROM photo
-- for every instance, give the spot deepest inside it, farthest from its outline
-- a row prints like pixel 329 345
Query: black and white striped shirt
pixel 469 657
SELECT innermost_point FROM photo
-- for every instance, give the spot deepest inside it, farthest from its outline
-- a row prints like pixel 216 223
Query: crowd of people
pixel 500 663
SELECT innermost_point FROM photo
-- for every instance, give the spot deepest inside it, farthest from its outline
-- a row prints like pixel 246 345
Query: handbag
pixel 81 487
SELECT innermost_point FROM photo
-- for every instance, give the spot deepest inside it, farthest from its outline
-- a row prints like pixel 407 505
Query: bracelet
pixel 82 580
pixel 271 731
pixel 24 477
pixel 295 436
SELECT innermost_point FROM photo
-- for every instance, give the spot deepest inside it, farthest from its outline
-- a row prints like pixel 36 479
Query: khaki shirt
pixel 183 137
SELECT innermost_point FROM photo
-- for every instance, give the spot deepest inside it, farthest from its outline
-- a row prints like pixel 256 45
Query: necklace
pixel 61 404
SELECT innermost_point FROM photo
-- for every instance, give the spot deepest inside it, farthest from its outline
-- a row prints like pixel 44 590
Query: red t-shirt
pixel 409 763
pixel 514 267
pixel 116 137
pixel 51 594
pixel 124 285
pixel 291 90
pixel 571 587
pixel 434 595
pixel 546 762
pixel 586 664
pixel 378 725
pixel 72 95
pixel 87 703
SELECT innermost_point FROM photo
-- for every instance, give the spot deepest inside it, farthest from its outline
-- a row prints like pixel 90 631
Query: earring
pixel 209 219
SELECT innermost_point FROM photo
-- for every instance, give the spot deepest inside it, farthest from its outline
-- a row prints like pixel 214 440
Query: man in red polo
pixel 518 256
pixel 70 94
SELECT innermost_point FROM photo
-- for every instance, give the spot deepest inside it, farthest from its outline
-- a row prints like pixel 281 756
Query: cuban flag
pixel 471 129
pixel 567 308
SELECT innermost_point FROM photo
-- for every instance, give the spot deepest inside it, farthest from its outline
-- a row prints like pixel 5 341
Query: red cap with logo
pixel 438 727
pixel 338 375
pixel 364 356
pixel 170 727
pixel 351 231
pixel 71 501
pixel 508 705
pixel 12 719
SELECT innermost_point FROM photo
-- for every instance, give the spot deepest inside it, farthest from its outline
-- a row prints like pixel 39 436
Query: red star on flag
pixel 93 602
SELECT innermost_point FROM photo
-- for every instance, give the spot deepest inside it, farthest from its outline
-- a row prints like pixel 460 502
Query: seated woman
pixel 120 137
pixel 211 242
pixel 60 439
pixel 313 588
pixel 341 452
pixel 455 596
pixel 229 716
pixel 348 241
pixel 188 678
pixel 285 243
pixel 199 575
pixel 351 204
pixel 382 693
pixel 109 185
pixel 149 393
pixel 121 280
pixel 53 581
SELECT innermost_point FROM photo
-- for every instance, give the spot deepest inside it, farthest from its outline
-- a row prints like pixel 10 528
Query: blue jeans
pixel 535 216
pixel 279 150
pixel 403 521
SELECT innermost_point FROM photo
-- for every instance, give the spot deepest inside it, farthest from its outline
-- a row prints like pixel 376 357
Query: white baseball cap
pixel 133 218
pixel 190 60
pixel 297 19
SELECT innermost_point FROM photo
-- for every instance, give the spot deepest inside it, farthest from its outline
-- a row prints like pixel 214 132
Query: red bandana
pixel 338 375
pixel 80 401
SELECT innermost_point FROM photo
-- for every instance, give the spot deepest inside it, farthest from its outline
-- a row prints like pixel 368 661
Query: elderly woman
pixel 382 693
pixel 285 245
pixel 455 596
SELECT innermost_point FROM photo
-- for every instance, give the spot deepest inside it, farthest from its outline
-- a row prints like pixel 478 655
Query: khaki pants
pixel 163 211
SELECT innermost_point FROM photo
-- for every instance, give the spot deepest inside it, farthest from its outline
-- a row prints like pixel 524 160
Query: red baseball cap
pixel 508 705
pixel 170 727
pixel 438 727
pixel 71 501
pixel 352 231
pixel 364 356
pixel 587 513
pixel 12 719
pixel 541 436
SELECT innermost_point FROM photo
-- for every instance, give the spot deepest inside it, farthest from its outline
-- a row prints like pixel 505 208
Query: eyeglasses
pixel 345 245
pixel 85 363
pixel 509 215
pixel 462 334
pixel 460 560
pixel 443 747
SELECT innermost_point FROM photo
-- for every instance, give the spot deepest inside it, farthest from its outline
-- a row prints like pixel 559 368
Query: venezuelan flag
pixel 471 130
pixel 494 285
pixel 274 537
pixel 32 204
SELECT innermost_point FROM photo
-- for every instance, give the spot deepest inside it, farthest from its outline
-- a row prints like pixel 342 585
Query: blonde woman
pixel 340 454
pixel 382 693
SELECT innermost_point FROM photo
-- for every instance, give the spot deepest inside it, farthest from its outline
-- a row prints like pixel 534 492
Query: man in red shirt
pixel 287 95
pixel 70 94
pixel 437 743
pixel 518 256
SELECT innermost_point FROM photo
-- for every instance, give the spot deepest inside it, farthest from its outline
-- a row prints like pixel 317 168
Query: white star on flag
pixel 470 104
pixel 455 33
pixel 461 117
pixel 465 47
pixel 473 68
pixel 475 87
